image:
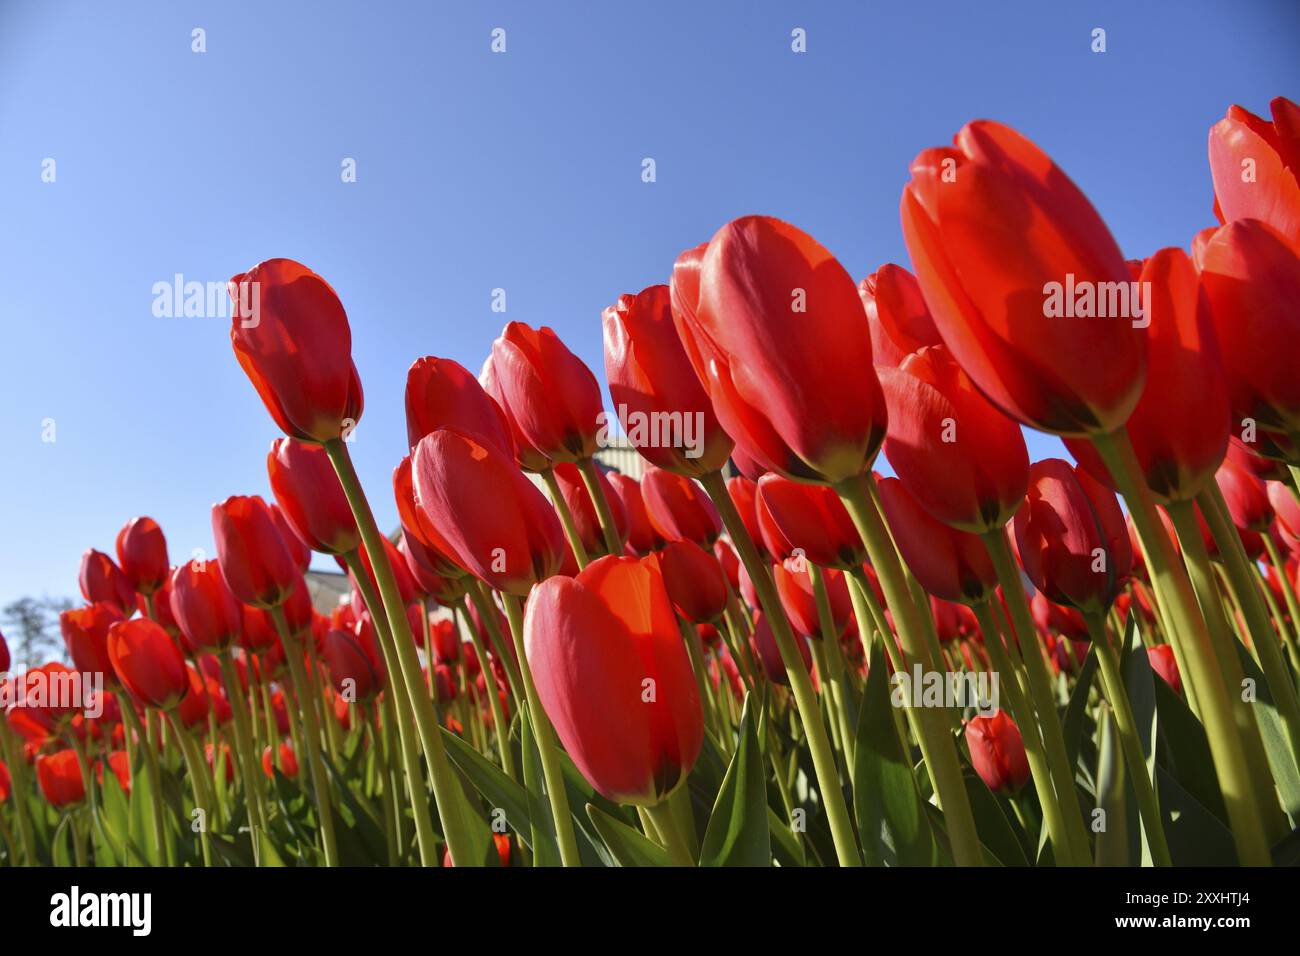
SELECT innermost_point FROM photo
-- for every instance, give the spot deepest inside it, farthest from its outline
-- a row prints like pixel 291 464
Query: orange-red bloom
pixel 809 518
pixel 292 339
pixel 102 580
pixel 59 776
pixel 950 564
pixel 695 582
pixel 897 315
pixel 625 706
pixel 310 497
pixel 142 554
pixel 994 228
pixel 493 521
pixel 441 392
pixel 679 509
pixel 778 337
pixel 148 663
pixel 252 554
pixel 205 610
pixel 651 381
pixel 1255 165
pixel 85 634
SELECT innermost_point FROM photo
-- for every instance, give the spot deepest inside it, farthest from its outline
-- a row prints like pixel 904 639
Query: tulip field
pixel 840 618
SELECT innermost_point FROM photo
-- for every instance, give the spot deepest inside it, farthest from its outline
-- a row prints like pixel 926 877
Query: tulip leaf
pixel 1196 837
pixel 1287 852
pixel 786 847
pixel 628 846
pixel 490 781
pixel 891 814
pixel 1113 796
pixel 1273 731
pixel 546 850
pixel 1076 711
pixel 991 822
pixel 1186 753
pixel 737 834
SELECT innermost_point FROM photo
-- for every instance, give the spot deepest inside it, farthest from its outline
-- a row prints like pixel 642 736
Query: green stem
pixel 1040 689
pixel 1130 743
pixel 932 725
pixel 253 794
pixel 487 614
pixel 146 744
pixel 1023 714
pixel 591 478
pixel 18 796
pixel 566 517
pixel 547 745
pixel 452 805
pixel 666 824
pixel 828 783
pixel 1188 627
pixel 490 683
pixel 195 768
pixel 404 719
pixel 833 674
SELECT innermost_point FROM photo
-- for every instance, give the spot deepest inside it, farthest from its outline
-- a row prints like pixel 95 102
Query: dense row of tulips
pixel 768 668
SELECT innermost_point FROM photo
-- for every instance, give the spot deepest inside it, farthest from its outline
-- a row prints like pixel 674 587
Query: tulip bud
pixel 625 707
pixel 148 663
pixel 679 510
pixel 102 580
pixel 695 582
pixel 142 554
pixel 85 634
pixel 311 498
pixel 292 339
pixel 950 564
pixel 1273 149
pixel 997 752
pixel 204 608
pixel 897 315
pixel 1165 664
pixel 60 780
pixel 441 392
pixel 252 554
pixel 810 519
pixel 574 492
pixel 641 535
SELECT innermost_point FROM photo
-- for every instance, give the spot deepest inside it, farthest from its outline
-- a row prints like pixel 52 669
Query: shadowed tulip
pixel 625 707
pixel 950 564
pixel 695 582
pixel 744 495
pixel 728 560
pixel 779 339
pixel 85 635
pixel 148 663
pixel 574 491
pixel 494 522
pixel 961 459
pixel 60 780
pixel 679 509
pixel 1255 166
pixel 441 392
pixel 355 664
pixel 444 590
pixel 1246 496
pixel 298 550
pixel 997 234
pixel 288 761
pixel 1252 278
pixel 1286 511
pixel 795 588
pixel 1162 661
pixel 142 554
pixel 651 382
pixel 102 580
pixel 292 339
pixel 1179 429
pixel 1071 537
pixel 997 752
pixel 310 497
pixel 641 535
pixel 205 610
pixel 812 519
pixel 253 557
pixel 425 541
pixel 768 654
pixel 547 392
pixel 4 656
pixel 1265 457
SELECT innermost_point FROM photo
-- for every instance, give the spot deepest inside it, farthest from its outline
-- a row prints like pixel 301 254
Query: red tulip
pixel 695 582
pixel 292 339
pixel 1265 457
pixel 744 495
pixel 651 381
pixel 625 706
pixel 85 634
pixel 950 564
pixel 6 784
pixel 444 590
pixel 252 554
pixel 148 663
pixel 641 535
pixel 288 761
pixel 206 611
pixel 549 394
pixel 102 580
pixel 441 392
pixel 1246 496
pixel 4 656
pixel 1179 429
pixel 1050 617
pixel 444 684
pixel 210 756
pixel 897 315
pixel 406 588
pixel 781 344
pixel 795 588
pixel 728 560
pixel 812 519
pixel 1252 278
pixel 142 554
pixel 679 510
pixel 1163 662
pixel 310 497
pixel 494 522
pixel 1255 165
pixel 993 227
pixel 997 752
pixel 1285 509
pixel 204 696
pixel 962 459
pixel 59 776
pixel 425 542
pixel 768 653
pixel 1071 537
pixel 355 664
pixel 257 632
pixel 574 491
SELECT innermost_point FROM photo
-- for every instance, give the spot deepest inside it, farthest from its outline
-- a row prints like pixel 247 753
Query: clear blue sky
pixel 478 171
